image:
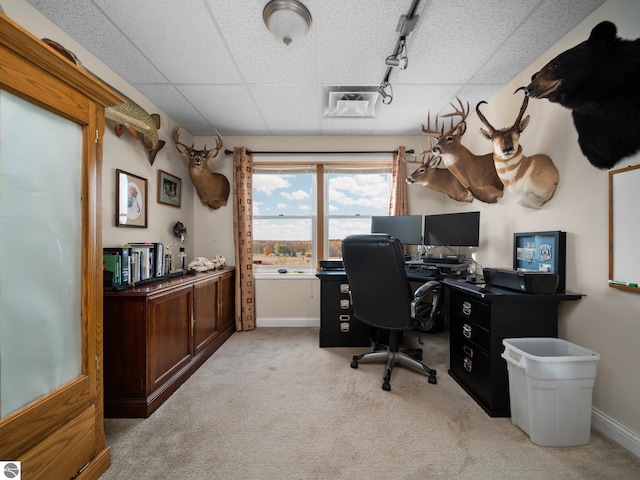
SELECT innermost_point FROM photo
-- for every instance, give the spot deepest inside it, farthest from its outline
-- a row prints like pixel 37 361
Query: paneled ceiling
pixel 213 63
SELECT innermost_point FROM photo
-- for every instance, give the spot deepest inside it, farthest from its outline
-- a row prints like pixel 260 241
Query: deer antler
pixel 218 147
pixel 457 112
pixel 428 130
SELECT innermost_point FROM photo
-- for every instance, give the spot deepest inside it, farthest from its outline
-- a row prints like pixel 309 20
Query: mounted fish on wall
pixel 126 116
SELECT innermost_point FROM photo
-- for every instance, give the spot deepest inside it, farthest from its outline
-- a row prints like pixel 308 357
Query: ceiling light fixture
pixel 288 20
pixel 399 59
pixel 386 92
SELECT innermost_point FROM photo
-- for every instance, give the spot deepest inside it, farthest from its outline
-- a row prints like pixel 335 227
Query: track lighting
pixel 386 92
pixel 400 58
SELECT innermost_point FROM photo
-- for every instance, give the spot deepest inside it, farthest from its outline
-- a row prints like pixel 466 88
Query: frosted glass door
pixel 40 252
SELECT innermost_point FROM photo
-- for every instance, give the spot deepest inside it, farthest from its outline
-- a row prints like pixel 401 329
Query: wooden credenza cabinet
pixel 157 335
pixel 479 319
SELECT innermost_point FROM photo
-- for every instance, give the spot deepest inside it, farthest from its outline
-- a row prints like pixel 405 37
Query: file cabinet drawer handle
pixel 466 330
pixel 344 304
pixel 466 308
pixel 345 317
pixel 468 364
pixel 344 288
pixel 467 351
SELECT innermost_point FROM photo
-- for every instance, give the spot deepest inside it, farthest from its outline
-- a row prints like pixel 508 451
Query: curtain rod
pixel 229 152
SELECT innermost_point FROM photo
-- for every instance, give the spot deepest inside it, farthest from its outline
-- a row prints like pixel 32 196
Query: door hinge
pixel 97 135
pixel 97 363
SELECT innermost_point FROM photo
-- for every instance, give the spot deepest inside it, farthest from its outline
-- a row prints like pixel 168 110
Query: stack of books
pixel 134 263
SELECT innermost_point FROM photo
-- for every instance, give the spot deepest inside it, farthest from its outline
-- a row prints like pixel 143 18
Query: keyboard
pixel 449 259
pixel 425 274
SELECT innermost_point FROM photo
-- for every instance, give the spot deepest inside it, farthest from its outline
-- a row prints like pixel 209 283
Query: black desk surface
pixel 491 291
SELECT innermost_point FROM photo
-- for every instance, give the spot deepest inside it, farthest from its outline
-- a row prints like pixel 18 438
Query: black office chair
pixel 382 297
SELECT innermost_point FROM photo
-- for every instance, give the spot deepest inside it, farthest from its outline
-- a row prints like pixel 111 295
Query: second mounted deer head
pixel 476 173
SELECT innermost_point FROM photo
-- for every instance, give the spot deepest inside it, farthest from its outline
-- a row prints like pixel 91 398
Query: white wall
pixel 606 320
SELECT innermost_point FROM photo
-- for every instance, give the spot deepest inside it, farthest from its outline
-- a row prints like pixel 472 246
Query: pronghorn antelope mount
pixel 213 188
pixel 531 180
pixel 437 179
pixel 477 173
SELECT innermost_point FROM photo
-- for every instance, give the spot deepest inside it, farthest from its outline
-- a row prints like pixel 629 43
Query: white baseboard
pixel 615 431
pixel 287 322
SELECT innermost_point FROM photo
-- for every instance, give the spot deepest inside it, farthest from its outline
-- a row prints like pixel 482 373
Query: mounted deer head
pixel 437 179
pixel 213 188
pixel 532 180
pixel 475 173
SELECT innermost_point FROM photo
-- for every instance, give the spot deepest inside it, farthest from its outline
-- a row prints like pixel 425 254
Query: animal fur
pixel 598 80
pixel 213 188
pixel 531 180
pixel 438 179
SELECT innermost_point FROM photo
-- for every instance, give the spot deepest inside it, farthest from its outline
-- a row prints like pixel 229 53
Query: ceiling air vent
pixel 352 102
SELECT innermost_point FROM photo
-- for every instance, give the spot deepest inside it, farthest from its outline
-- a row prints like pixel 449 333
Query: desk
pixel 480 317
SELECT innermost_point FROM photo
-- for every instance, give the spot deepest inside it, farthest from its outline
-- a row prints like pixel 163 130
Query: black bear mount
pixel 599 80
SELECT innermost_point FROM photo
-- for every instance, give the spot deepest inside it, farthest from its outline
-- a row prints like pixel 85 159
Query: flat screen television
pixel 406 228
pixel 452 230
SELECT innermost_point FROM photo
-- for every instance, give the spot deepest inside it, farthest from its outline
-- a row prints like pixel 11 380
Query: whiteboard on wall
pixel 624 228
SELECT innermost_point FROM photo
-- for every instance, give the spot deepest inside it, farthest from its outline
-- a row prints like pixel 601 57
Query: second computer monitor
pixel 406 228
pixel 452 229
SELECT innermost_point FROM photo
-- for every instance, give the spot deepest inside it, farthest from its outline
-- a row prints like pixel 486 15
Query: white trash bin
pixel 551 388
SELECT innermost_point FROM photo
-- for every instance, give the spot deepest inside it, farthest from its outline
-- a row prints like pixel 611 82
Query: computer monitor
pixel 452 229
pixel 406 228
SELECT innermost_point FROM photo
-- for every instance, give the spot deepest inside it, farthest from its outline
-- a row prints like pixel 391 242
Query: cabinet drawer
pixel 336 304
pixel 342 329
pixel 471 308
pixel 472 366
pixel 335 288
pixel 471 332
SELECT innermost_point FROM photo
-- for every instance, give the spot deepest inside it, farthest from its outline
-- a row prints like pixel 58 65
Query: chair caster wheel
pixel 433 379
pixel 354 363
pixel 386 386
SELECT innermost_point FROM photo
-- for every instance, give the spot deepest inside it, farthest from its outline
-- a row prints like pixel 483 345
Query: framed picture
pixel 169 189
pixel 131 200
pixel 541 252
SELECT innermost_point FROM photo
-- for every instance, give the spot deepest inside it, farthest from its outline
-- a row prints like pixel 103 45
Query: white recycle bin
pixel 551 388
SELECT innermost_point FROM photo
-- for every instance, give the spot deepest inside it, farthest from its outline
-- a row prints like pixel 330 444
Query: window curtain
pixel 398 201
pixel 243 243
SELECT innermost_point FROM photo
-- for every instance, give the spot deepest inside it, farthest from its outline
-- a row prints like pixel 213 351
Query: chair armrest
pixel 421 292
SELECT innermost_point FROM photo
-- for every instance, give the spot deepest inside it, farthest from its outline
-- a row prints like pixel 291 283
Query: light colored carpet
pixel 271 404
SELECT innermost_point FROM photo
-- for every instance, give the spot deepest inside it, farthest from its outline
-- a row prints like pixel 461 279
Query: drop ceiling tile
pixel 87 25
pixel 200 55
pixel 169 99
pixel 346 126
pixel 454 38
pixel 552 20
pixel 258 56
pixel 229 108
pixel 289 109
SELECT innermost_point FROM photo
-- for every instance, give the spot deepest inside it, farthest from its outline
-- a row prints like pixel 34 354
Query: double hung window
pixel 301 212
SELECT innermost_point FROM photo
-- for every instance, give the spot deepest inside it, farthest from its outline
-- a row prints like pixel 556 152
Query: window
pixel 301 213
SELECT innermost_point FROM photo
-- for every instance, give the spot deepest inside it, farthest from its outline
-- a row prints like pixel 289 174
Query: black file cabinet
pixel 479 321
pixel 338 327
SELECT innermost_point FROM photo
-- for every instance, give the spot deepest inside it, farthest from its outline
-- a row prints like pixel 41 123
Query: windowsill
pixel 284 276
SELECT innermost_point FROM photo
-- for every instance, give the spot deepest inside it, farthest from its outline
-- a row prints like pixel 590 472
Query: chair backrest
pixel 378 283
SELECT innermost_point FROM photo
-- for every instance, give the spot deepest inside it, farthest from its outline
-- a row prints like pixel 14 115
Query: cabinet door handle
pixel 468 364
pixel 466 330
pixel 466 308
pixel 467 351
